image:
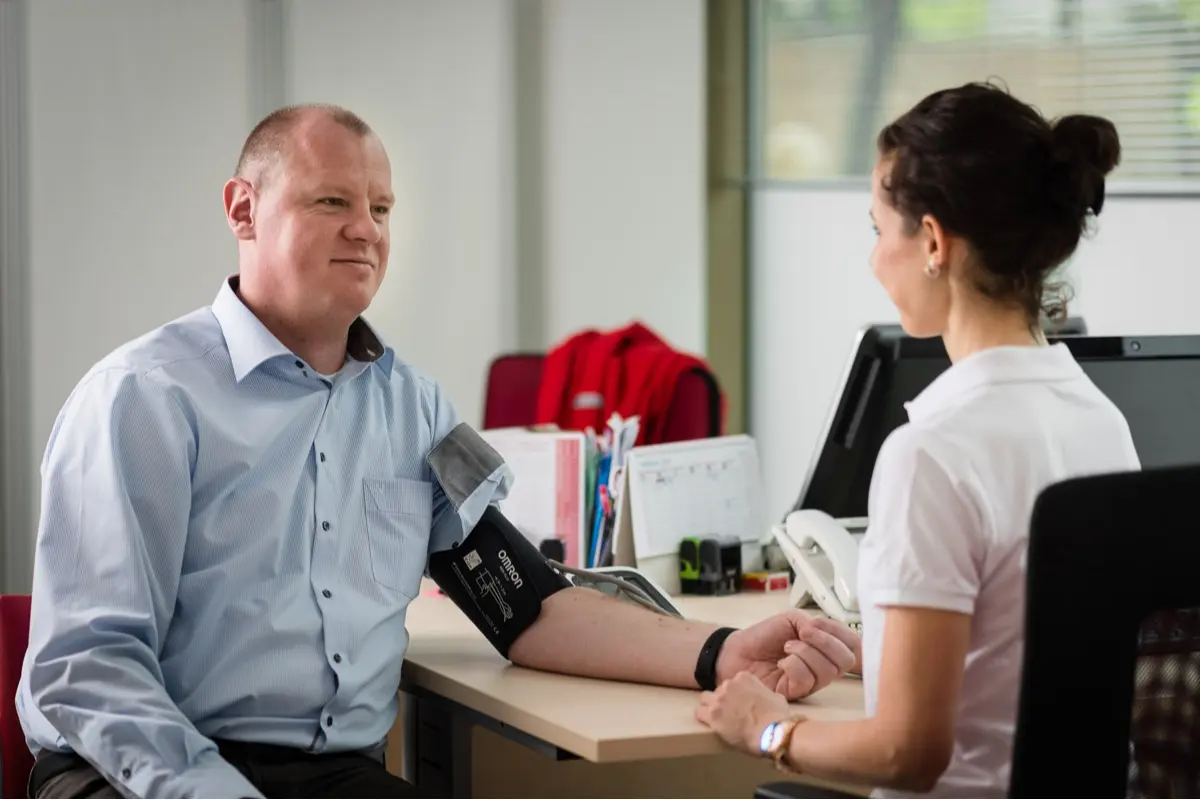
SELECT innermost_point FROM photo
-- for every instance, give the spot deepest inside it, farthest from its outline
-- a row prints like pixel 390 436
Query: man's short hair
pixel 267 142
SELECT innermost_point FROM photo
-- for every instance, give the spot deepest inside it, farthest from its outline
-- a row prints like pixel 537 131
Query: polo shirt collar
pixel 250 344
pixel 996 365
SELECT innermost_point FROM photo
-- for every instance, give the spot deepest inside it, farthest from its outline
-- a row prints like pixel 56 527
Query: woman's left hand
pixel 740 710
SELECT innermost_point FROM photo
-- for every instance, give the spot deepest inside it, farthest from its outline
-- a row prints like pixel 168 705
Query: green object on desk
pixel 709 566
pixel 590 494
pixel 689 559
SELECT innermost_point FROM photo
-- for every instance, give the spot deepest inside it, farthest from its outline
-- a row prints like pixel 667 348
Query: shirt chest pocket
pixel 399 514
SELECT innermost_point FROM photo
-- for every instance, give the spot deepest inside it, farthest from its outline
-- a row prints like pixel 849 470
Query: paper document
pixel 547 496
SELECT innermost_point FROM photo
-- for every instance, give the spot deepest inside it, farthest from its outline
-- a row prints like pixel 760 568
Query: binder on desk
pixel 701 488
pixel 548 496
pixel 612 446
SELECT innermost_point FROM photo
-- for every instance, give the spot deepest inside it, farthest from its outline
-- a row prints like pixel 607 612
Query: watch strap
pixel 706 663
pixel 781 740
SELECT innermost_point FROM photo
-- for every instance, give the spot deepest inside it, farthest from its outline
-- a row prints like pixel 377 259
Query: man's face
pixel 321 223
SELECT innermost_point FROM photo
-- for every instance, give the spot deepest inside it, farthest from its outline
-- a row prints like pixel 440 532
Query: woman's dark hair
pixel 1017 187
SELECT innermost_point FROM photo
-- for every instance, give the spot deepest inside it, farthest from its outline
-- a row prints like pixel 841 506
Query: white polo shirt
pixel 949 510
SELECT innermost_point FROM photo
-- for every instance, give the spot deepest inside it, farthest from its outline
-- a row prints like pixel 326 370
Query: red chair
pixel 512 392
pixel 15 759
pixel 695 408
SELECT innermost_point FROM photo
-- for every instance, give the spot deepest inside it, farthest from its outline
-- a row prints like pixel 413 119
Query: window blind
pixel 837 70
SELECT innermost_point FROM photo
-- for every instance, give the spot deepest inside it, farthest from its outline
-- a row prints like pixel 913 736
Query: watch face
pixel 770 736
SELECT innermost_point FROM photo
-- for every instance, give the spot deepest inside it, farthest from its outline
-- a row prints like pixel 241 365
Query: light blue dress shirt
pixel 228 545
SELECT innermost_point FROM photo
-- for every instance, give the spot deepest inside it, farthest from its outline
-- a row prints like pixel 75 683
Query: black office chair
pixel 1110 690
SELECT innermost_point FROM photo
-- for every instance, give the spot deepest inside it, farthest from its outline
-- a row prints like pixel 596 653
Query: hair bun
pixel 1085 150
pixel 1092 139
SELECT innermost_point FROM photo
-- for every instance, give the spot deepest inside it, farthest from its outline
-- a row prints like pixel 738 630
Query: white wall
pixel 137 110
pixel 624 167
pixel 435 80
pixel 812 289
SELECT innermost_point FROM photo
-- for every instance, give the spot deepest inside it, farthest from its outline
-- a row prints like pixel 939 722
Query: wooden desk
pixel 454 680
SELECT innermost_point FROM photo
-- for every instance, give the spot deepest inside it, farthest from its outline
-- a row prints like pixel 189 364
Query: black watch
pixel 706 664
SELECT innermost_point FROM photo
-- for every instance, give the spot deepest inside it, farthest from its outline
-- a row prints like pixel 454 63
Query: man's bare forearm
pixel 583 632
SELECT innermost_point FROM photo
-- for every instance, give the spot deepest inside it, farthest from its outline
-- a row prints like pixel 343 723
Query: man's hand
pixel 586 632
pixel 740 710
pixel 793 653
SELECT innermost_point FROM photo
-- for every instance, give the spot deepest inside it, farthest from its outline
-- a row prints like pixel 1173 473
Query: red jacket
pixel 631 371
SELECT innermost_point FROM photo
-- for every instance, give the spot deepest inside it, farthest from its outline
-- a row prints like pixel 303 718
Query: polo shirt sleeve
pixel 468 476
pixel 926 537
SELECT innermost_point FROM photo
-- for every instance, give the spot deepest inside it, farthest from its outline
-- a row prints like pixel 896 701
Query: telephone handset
pixel 824 556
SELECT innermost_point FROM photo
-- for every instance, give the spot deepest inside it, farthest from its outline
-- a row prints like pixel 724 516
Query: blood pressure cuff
pixel 470 474
pixel 498 578
pixel 494 574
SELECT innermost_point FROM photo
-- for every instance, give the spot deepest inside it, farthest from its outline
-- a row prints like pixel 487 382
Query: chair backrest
pixel 514 380
pixel 15 759
pixel 695 408
pixel 1111 677
pixel 512 390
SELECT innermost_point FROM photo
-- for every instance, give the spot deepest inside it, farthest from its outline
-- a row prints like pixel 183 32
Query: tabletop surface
pixel 594 719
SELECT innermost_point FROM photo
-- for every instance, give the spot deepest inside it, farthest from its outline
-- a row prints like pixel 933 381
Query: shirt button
pixel 329 721
pixel 322 458
pixel 126 773
pixel 327 593
pixel 325 525
pixel 337 658
pixel 300 364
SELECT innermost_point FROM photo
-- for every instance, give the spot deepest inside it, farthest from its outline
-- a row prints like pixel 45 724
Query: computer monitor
pixel 1154 380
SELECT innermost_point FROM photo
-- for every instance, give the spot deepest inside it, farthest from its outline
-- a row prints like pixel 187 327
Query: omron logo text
pixel 511 569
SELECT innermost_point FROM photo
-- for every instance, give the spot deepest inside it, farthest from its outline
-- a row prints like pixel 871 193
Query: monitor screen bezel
pixel 890 341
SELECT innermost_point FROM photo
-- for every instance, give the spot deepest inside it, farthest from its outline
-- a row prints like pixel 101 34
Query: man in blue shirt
pixel 237 511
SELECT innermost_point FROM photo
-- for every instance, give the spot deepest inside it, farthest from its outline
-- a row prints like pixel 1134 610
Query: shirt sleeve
pixel 116 502
pixel 468 476
pixel 925 541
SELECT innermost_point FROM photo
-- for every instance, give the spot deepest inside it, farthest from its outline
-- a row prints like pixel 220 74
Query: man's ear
pixel 240 204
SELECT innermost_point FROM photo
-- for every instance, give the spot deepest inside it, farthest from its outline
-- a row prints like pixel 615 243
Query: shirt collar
pixel 990 367
pixel 250 344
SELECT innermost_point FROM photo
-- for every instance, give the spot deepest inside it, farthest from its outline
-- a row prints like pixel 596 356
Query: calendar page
pixel 705 488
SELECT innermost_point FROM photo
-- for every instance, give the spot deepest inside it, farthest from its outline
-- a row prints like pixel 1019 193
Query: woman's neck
pixel 974 327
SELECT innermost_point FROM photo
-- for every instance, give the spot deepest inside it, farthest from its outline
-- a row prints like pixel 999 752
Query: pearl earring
pixel 932 270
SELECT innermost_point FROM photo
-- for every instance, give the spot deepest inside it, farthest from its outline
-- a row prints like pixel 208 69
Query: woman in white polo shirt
pixel 976 200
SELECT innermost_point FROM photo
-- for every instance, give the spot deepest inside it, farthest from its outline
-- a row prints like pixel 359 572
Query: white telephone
pixel 824 555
